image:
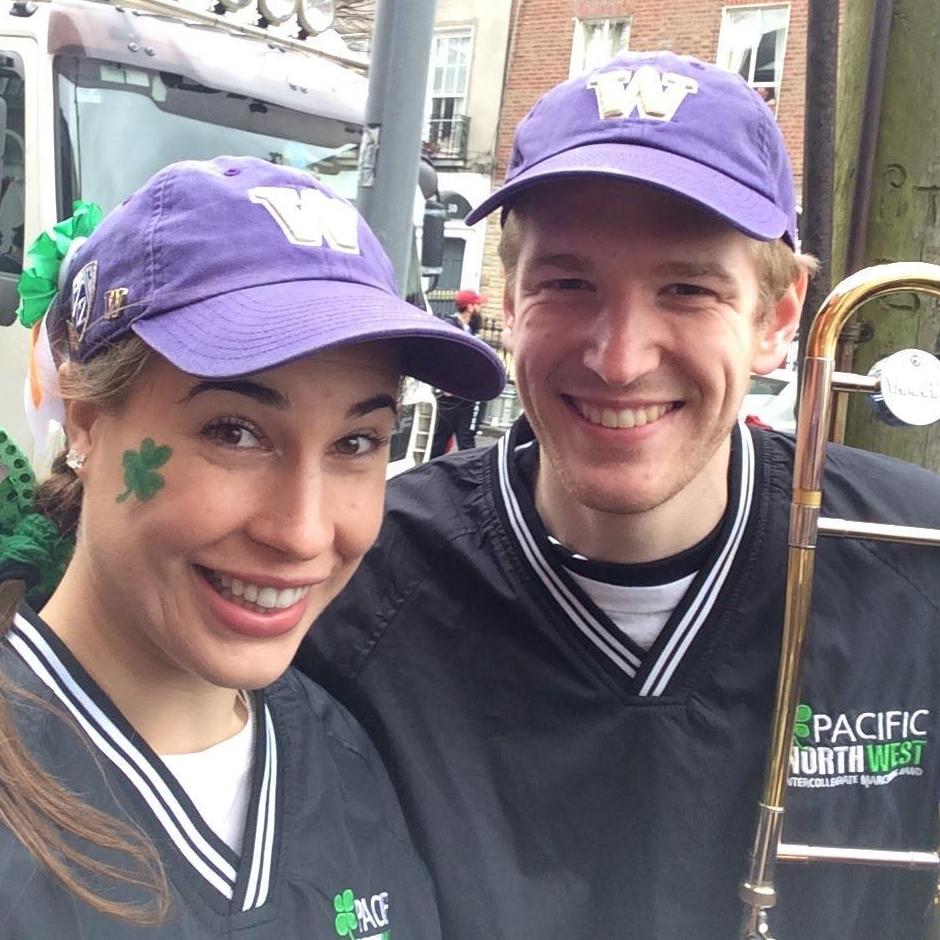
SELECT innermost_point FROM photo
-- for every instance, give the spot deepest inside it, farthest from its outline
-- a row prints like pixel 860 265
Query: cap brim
pixel 263 327
pixel 739 205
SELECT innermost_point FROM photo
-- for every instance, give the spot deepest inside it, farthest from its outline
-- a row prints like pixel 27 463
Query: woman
pixel 231 346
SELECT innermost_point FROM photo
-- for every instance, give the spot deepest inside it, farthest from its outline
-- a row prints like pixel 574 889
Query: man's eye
pixel 688 290
pixel 568 284
pixel 233 432
pixel 359 445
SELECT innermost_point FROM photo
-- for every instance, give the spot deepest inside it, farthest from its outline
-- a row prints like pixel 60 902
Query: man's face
pixel 634 324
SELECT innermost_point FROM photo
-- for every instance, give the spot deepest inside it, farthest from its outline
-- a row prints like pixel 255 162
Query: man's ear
pixel 774 335
pixel 509 318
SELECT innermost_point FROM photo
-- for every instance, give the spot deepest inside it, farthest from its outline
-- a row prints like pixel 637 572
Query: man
pixel 566 646
pixel 458 417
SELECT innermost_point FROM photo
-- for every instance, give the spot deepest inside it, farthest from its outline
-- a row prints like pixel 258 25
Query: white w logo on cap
pixel 309 217
pixel 654 95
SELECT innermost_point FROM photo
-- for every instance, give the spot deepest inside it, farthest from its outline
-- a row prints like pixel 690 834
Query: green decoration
pixel 17 483
pixel 344 904
pixel 36 545
pixel 140 466
pixel 40 278
pixel 31 547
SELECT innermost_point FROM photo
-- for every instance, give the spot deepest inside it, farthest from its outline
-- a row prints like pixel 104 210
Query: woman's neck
pixel 175 712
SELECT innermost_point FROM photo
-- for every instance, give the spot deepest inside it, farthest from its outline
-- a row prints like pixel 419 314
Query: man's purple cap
pixel 666 121
pixel 235 265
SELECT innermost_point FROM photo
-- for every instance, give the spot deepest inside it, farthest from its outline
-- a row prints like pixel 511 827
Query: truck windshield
pixel 117 125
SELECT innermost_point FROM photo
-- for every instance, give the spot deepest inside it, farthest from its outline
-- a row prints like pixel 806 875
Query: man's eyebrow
pixel 566 262
pixel 254 390
pixel 697 269
pixel 362 408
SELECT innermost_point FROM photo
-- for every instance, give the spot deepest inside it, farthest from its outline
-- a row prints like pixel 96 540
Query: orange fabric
pixel 35 389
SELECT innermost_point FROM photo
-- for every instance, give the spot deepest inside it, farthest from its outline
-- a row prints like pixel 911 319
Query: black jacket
pixel 564 784
pixel 322 819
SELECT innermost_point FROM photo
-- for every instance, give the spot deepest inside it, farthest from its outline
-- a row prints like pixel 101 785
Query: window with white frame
pixel 448 78
pixel 596 42
pixel 753 42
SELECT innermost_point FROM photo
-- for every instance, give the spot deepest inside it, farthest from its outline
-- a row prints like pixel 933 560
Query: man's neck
pixel 634 538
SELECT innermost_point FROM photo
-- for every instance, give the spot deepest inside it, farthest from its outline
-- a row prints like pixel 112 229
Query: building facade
pixel 462 111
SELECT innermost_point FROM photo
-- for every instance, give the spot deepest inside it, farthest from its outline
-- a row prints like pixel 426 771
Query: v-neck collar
pixel 645 673
pixel 236 884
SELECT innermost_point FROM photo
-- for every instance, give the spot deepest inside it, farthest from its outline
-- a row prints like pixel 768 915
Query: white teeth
pixel 266 597
pixel 622 417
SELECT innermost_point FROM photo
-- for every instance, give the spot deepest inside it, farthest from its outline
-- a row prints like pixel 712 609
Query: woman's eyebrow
pixel 254 390
pixel 362 408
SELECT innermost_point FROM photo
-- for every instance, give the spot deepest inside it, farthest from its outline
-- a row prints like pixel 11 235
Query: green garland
pixel 31 547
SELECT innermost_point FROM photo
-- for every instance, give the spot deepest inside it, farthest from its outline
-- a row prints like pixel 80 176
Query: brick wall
pixel 540 53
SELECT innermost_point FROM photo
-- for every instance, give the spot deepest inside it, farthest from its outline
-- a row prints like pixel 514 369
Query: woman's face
pixel 220 517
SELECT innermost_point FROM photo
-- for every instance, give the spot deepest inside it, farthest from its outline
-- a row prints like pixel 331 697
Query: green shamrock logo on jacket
pixel 345 906
pixel 801 729
pixel 140 466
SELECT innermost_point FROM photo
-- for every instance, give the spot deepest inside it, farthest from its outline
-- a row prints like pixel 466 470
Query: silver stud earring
pixel 74 460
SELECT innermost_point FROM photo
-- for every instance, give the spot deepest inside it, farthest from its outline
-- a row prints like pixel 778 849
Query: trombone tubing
pixel 758 890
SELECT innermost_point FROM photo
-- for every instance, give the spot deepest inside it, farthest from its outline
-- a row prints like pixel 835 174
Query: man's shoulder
pixel 908 492
pixel 444 485
pixel 864 478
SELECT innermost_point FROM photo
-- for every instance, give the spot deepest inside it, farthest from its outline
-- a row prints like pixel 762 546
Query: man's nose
pixel 625 343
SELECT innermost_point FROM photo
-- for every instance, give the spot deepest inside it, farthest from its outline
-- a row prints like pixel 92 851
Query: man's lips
pixel 613 416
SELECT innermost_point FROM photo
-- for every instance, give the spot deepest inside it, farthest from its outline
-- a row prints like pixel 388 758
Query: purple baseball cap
pixel 236 265
pixel 667 121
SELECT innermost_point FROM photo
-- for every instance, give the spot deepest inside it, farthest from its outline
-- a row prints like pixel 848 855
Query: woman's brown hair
pixel 48 818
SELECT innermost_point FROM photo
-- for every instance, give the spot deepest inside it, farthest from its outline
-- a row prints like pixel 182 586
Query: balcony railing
pixel 446 138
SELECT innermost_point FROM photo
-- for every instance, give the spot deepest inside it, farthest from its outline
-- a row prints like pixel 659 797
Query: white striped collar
pixel 244 883
pixel 647 674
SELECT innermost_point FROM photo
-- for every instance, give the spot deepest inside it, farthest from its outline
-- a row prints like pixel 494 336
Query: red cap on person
pixel 464 298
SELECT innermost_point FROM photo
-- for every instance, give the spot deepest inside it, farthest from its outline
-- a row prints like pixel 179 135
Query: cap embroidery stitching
pixel 653 94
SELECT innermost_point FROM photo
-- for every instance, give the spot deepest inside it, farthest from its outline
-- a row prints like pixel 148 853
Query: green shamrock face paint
pixel 140 466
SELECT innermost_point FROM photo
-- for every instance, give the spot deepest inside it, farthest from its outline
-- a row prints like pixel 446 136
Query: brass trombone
pixel 819 380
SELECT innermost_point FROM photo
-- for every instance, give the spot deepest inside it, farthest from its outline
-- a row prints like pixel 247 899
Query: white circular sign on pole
pixel 910 387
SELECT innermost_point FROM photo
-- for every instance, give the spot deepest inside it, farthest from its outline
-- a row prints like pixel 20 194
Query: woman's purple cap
pixel 662 120
pixel 236 265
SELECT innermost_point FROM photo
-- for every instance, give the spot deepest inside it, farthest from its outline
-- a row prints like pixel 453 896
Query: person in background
pixel 566 646
pixel 459 417
pixel 230 346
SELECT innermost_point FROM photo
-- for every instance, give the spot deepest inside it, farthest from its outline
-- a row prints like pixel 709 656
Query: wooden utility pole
pixel 903 197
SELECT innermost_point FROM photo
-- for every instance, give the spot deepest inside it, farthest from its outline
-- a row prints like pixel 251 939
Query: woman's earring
pixel 74 460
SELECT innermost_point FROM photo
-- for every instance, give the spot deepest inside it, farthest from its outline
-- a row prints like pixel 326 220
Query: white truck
pixel 95 96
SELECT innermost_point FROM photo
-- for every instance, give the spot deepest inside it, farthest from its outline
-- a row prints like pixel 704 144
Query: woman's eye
pixel 232 433
pixel 358 445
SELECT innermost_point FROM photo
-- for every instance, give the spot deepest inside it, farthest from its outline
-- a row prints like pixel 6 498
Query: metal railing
pixel 446 138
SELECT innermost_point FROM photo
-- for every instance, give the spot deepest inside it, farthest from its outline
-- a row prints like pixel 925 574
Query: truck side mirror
pixel 432 239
